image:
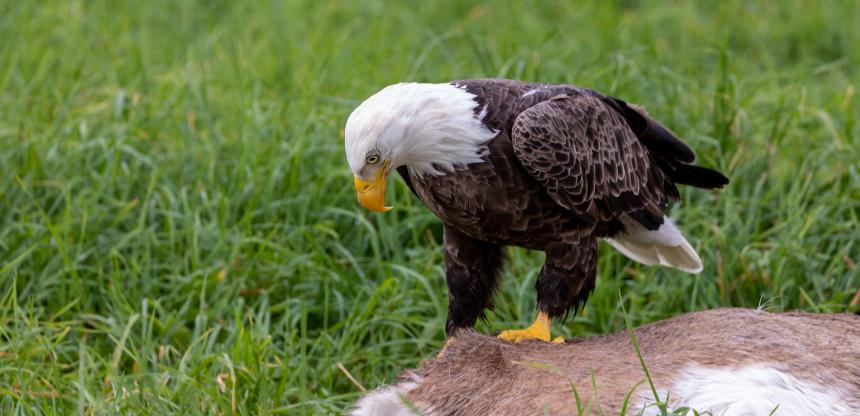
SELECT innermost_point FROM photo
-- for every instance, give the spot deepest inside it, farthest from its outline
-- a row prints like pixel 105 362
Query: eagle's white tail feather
pixel 665 246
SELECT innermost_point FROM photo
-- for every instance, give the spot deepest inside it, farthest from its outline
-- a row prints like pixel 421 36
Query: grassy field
pixel 179 233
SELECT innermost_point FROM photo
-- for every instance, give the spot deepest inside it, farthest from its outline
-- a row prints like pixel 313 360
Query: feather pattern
pixel 566 166
pixel 587 158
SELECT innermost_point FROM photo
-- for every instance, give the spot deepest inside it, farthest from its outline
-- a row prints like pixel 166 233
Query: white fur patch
pixel 386 401
pixel 430 128
pixel 752 390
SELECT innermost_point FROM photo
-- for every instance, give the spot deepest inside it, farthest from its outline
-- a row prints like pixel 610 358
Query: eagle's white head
pixel 429 128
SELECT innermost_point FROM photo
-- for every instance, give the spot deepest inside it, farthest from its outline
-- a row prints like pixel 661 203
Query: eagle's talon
pixel 444 348
pixel 538 331
pixel 520 335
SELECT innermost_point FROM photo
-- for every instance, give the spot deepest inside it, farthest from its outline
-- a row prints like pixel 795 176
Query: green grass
pixel 178 228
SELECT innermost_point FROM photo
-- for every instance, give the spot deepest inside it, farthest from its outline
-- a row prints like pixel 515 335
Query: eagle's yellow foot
pixel 539 330
pixel 444 348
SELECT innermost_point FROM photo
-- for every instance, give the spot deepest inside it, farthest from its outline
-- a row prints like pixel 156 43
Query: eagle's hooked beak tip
pixel 372 194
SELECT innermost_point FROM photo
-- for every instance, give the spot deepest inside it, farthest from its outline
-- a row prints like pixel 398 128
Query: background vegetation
pixel 178 228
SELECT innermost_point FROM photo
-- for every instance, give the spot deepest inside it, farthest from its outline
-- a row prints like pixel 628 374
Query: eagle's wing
pixel 589 160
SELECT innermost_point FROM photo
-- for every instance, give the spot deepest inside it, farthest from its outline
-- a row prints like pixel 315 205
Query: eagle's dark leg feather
pixel 472 271
pixel 568 276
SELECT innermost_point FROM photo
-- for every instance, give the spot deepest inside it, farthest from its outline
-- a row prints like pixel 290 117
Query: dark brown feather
pixel 605 171
pixel 658 139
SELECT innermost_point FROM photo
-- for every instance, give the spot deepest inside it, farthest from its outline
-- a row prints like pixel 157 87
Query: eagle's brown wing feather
pixel 588 159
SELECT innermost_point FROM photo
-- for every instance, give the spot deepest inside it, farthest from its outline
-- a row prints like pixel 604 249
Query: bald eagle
pixel 542 166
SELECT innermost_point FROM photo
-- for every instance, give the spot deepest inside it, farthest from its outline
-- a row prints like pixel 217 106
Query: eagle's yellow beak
pixel 372 194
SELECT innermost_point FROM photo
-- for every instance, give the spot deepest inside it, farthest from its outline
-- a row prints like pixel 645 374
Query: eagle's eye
pixel 372 159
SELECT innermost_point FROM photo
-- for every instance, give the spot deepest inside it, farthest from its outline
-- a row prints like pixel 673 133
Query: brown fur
pixel 481 375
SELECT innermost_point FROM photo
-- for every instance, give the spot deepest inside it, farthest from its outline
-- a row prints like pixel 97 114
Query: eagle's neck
pixel 440 128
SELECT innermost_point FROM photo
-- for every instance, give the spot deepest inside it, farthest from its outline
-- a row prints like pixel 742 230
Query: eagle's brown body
pixel 566 165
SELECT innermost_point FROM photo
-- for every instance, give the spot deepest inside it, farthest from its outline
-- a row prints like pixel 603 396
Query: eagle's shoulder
pixel 500 101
